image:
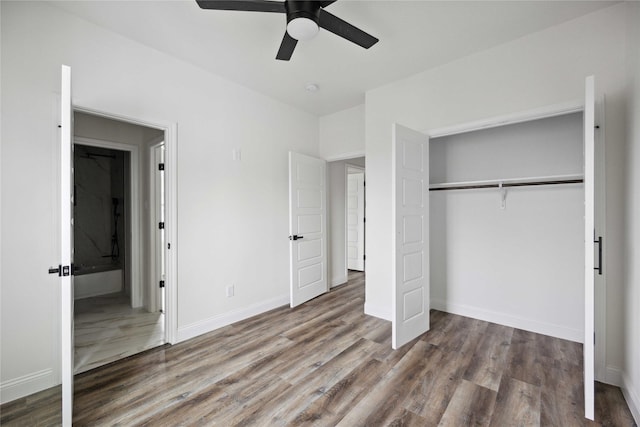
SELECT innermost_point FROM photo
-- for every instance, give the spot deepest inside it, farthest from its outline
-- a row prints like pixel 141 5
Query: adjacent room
pixel 327 212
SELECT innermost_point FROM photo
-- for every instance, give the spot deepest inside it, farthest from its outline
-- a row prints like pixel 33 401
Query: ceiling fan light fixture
pixel 302 28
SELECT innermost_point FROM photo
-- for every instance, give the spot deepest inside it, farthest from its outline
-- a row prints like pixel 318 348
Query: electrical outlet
pixel 230 290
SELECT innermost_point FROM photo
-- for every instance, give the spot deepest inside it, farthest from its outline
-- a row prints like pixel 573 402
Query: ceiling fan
pixel 304 19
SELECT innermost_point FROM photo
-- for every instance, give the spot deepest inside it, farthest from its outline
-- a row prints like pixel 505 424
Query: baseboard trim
pixel 378 312
pixel 613 376
pixel 337 281
pixel 26 385
pixel 509 320
pixel 631 396
pixel 216 322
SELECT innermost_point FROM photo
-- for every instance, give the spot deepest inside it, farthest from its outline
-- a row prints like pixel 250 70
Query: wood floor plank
pixel 523 362
pixel 489 361
pixel 517 404
pixel 610 408
pixel 471 405
pixel 332 406
pixel 434 389
pixel 387 397
pixel 325 363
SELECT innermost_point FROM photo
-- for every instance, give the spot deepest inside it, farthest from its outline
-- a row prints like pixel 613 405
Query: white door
pixel 410 188
pixel 355 221
pixel 593 245
pixel 66 248
pixel 307 227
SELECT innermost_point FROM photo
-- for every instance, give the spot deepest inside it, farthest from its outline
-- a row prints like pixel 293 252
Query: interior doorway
pixel 115 314
pixel 344 238
pixel 355 204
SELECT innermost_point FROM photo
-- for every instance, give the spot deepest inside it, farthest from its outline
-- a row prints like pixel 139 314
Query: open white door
pixel 591 239
pixel 307 227
pixel 355 221
pixel 66 245
pixel 410 190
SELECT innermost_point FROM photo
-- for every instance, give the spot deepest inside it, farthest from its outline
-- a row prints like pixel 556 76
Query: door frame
pixel 575 106
pixel 134 262
pixel 362 169
pixel 154 275
pixel 170 130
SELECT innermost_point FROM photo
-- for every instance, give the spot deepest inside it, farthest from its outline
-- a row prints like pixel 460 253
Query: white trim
pixel 340 280
pixel 613 376
pixel 509 119
pixel 207 325
pixel 153 303
pixel 171 231
pixel 26 385
pixel 379 312
pixel 171 222
pixel 631 395
pixel 134 214
pixel 346 156
pixel 531 325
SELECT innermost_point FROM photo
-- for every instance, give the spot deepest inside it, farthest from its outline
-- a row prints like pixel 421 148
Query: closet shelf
pixel 509 182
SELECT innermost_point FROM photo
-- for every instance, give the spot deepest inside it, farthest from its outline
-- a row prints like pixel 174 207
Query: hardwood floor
pixel 107 329
pixel 326 364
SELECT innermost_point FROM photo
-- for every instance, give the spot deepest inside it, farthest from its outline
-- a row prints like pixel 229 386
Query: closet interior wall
pixel 513 256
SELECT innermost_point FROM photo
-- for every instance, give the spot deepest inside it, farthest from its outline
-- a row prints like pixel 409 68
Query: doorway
pixel 338 172
pixel 355 204
pixel 115 314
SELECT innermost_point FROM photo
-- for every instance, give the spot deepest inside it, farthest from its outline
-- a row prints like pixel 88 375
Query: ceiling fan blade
pixel 326 3
pixel 286 47
pixel 345 30
pixel 243 5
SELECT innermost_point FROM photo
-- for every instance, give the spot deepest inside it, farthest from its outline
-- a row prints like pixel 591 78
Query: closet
pixel 507 225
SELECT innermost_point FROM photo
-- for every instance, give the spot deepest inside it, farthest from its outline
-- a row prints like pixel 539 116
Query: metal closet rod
pixel 508 184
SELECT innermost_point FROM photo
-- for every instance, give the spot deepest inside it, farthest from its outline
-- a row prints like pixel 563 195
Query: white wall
pixel 230 214
pixel 342 134
pixel 631 328
pixel 337 219
pixel 523 265
pixel 538 70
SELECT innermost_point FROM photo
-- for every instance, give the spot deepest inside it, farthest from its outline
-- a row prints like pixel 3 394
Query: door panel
pixel 590 247
pixel 307 221
pixel 66 245
pixel 355 221
pixel 411 235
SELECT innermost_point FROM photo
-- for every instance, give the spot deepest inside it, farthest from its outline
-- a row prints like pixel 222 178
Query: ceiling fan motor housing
pixel 302 9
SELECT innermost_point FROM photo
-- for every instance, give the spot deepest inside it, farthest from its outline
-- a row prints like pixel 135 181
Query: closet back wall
pixel 520 266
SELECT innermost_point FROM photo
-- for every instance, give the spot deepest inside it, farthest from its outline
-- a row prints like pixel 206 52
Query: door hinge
pixel 162 283
pixel 364 219
pixel 594 338
pixel 160 166
pixel 364 257
pixel 161 225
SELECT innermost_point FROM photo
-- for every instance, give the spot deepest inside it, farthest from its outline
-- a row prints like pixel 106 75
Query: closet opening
pixel 507 225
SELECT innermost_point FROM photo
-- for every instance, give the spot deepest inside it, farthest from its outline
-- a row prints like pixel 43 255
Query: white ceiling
pixel 241 46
